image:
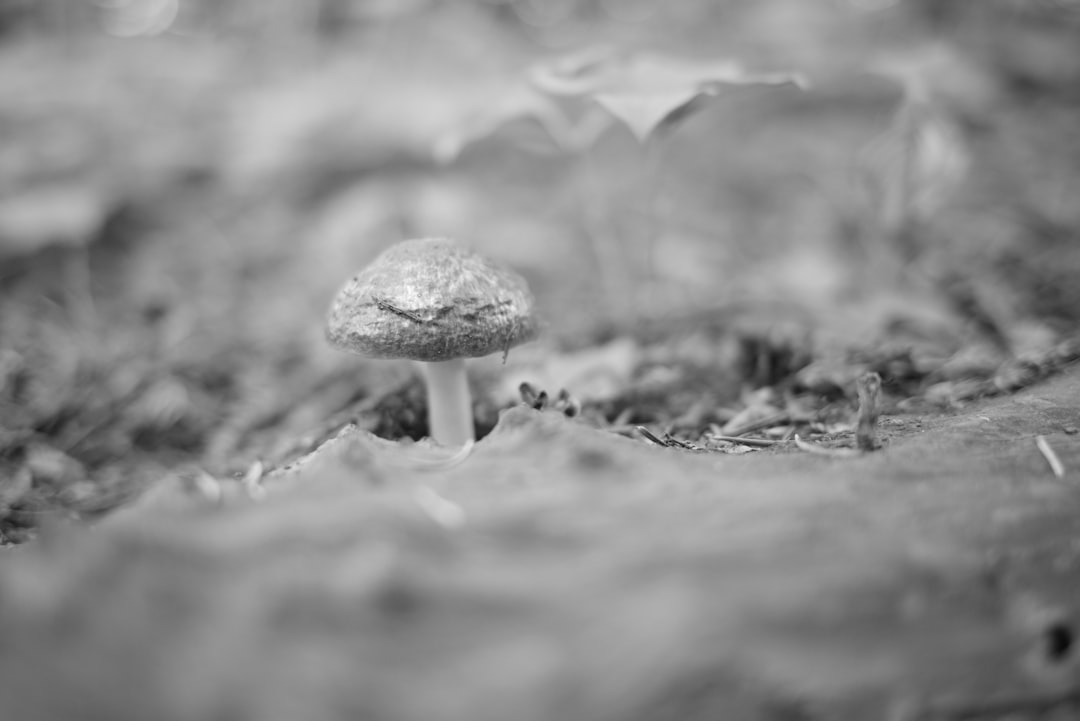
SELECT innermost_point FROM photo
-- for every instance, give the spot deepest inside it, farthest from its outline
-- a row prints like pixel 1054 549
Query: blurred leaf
pixel 562 97
pixel 306 124
pixel 521 103
pixel 140 17
pixel 573 75
pixel 50 215
pixel 647 91
pixel 643 114
pixel 917 164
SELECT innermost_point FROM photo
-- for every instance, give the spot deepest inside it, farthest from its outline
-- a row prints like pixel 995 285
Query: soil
pixel 560 571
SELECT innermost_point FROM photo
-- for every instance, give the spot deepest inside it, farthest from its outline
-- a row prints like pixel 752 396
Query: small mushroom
pixel 436 302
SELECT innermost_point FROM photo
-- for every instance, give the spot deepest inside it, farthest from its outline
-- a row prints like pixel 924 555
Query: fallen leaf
pixel 644 113
pixel 575 98
pixel 648 91
pixel 521 103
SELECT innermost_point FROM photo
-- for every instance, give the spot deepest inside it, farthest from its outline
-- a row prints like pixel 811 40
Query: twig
pixel 775 419
pixel 1056 466
pixel 821 450
pixel 383 304
pixel 747 441
pixel 649 436
pixel 668 441
pixel 868 387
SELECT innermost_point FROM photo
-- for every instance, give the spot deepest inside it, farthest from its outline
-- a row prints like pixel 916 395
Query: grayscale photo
pixel 539 360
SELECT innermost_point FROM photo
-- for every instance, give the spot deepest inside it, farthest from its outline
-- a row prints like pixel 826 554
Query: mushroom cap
pixel 431 300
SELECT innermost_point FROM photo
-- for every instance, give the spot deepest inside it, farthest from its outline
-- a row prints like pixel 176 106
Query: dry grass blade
pixel 776 419
pixel 1056 466
pixel 650 436
pixel 763 442
pixel 818 449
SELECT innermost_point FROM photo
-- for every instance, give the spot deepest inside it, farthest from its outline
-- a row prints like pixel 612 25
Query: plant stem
pixel 868 387
pixel 610 257
pixel 654 157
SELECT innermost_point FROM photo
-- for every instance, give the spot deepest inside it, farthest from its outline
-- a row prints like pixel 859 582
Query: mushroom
pixel 436 302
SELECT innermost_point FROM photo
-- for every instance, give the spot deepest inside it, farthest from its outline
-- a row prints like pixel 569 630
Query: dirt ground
pixel 565 572
pixel 184 185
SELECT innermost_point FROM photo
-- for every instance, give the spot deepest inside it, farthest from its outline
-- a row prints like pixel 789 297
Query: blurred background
pixel 185 183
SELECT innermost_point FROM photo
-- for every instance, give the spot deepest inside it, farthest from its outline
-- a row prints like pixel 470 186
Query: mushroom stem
pixel 450 418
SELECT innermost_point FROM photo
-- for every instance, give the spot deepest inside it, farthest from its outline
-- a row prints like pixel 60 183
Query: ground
pixel 196 487
pixel 565 572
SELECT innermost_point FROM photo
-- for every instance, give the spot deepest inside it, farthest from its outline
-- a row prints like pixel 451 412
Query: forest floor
pixel 562 571
pixel 210 513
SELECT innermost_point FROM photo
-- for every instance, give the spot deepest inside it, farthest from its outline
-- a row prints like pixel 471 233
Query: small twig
pixel 649 436
pixel 868 387
pixel 668 441
pixel 775 419
pixel 508 338
pixel 821 450
pixel 383 304
pixel 748 441
pixel 1056 466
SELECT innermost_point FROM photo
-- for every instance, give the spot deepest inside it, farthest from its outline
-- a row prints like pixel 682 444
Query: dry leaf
pixel 565 96
pixel 647 91
pixel 523 103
